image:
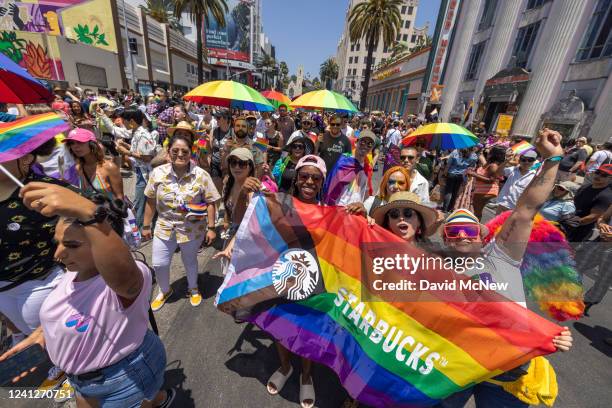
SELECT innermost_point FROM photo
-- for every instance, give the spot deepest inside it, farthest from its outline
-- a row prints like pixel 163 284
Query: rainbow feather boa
pixel 548 269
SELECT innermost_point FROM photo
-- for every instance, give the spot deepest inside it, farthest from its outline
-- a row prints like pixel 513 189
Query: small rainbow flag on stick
pixel 522 147
pixel 261 144
pixel 22 136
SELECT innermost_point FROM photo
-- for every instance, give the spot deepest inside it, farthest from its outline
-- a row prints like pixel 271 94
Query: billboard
pixel 234 41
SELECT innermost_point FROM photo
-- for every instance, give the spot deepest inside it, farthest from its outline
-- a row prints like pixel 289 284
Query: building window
pixel 531 4
pixel 410 10
pixel 405 37
pixel 474 61
pixel 363 72
pixel 357 48
pixel 597 41
pixel 488 13
pixel 356 59
pixel 407 24
pixel 352 47
pixel 413 39
pixel 404 9
pixel 350 60
pixel 399 37
pixel 354 71
pixel 525 39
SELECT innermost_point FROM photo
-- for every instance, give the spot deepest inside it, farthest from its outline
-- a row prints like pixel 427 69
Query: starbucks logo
pixel 296 274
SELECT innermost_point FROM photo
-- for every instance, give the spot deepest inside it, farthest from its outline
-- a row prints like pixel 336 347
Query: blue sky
pixel 307 32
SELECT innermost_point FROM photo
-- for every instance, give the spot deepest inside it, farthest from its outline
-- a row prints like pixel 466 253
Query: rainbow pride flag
pixel 261 143
pixel 22 136
pixel 387 353
pixel 522 147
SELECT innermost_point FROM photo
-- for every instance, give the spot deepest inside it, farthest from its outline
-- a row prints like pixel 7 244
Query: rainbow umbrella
pixel 229 94
pixel 277 98
pixel 18 86
pixel 442 136
pixel 324 100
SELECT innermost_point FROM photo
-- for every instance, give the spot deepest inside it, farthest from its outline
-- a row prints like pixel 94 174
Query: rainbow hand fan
pixel 548 269
pixel 261 144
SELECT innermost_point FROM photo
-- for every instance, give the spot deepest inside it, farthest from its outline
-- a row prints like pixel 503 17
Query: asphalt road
pixel 216 363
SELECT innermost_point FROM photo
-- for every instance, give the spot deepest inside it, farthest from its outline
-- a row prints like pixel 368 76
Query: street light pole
pixel 127 40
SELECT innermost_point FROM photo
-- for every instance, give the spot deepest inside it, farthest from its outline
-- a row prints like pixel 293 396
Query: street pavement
pixel 213 362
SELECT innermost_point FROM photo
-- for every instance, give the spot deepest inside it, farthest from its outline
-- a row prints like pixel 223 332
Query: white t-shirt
pixel 597 159
pixel 515 184
pixel 348 132
pixel 394 136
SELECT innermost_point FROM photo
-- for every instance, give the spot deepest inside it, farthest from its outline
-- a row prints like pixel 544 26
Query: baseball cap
pixel 80 135
pixel 241 153
pixel 223 114
pixel 312 160
pixel 606 168
pixel 367 134
pixel 530 154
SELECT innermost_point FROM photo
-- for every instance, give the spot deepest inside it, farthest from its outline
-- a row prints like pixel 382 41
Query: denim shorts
pixel 128 382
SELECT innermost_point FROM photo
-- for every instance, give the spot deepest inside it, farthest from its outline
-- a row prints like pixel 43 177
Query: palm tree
pixel 284 74
pixel 198 10
pixel 162 11
pixel 374 20
pixel 328 72
pixel 268 65
pixel 399 49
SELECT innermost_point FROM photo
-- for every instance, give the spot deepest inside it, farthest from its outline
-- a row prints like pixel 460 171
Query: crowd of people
pixel 196 169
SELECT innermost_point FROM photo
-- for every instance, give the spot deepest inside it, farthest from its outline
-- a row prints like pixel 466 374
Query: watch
pixel 99 215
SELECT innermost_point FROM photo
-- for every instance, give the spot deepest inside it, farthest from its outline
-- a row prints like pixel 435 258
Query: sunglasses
pixel 406 213
pixel 527 159
pixel 367 143
pixel 305 176
pixel 453 231
pixel 180 152
pixel 402 158
pixel 240 163
pixel 306 122
pixel 298 146
pixel 335 124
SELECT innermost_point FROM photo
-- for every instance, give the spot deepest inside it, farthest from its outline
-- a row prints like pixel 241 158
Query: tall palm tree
pixel 374 20
pixel 284 75
pixel 199 12
pixel 268 66
pixel 162 11
pixel 328 72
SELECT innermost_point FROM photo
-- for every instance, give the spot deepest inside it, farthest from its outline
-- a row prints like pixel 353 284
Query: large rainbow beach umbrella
pixel 276 98
pixel 229 94
pixel 442 136
pixel 324 100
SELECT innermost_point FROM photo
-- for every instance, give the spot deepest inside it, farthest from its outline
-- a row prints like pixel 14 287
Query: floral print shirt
pixel 171 193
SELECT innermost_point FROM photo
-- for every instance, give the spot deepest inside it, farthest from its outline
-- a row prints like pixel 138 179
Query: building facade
pixel 397 87
pixel 351 58
pixel 537 62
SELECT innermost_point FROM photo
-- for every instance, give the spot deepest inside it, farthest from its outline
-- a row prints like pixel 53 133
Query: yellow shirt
pixel 170 193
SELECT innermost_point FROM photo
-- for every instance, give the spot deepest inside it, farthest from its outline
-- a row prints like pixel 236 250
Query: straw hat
pixel 183 125
pixel 406 199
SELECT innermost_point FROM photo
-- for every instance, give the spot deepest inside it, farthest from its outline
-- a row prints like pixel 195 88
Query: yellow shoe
pixel 194 297
pixel 54 379
pixel 160 300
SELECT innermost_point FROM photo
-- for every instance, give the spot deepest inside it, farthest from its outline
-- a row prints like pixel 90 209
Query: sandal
pixel 307 393
pixel 278 380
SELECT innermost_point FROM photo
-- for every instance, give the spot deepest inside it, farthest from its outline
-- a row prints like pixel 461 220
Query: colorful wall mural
pixel 38 53
pixel 87 21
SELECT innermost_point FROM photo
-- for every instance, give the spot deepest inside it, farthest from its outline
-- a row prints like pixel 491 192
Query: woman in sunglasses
pixel 171 188
pixel 405 216
pixel 310 174
pixel 463 237
pixel 284 168
pixel 275 141
pixel 96 175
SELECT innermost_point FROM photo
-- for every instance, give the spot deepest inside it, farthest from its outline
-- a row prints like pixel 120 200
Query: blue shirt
pixel 554 209
pixel 458 165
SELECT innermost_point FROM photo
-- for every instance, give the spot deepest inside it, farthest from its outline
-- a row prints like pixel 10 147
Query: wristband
pixel 211 228
pixel 554 159
pixel 144 227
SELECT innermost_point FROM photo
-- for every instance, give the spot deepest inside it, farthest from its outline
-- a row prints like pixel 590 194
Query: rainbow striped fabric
pixel 22 136
pixel 522 147
pixel 386 353
pixel 261 144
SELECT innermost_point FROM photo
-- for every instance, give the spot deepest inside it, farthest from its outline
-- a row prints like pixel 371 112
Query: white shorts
pixel 21 304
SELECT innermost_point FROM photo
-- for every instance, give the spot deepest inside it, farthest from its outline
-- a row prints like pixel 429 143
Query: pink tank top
pixel 485 187
pixel 86 327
